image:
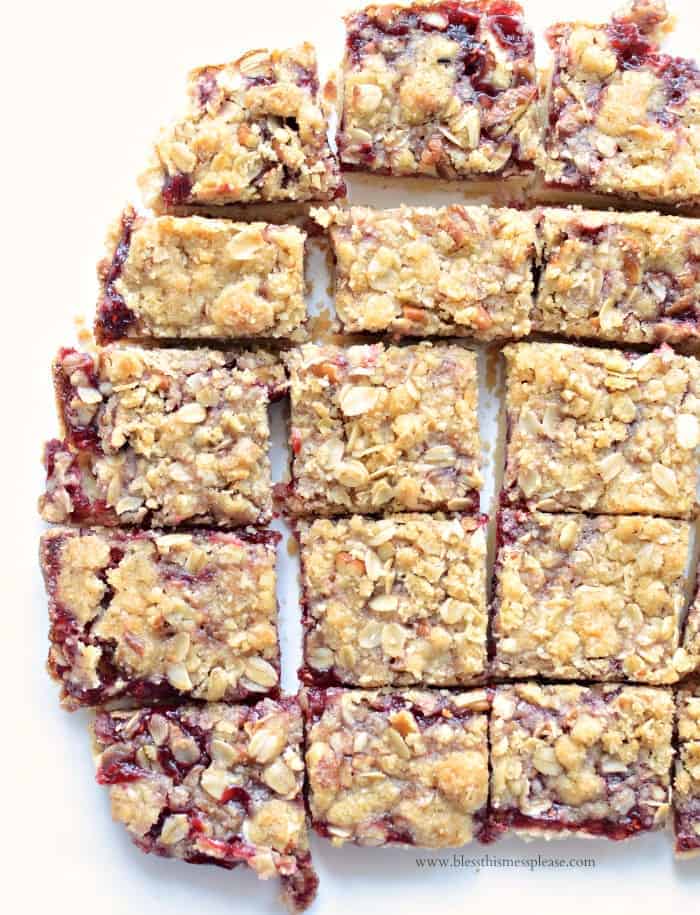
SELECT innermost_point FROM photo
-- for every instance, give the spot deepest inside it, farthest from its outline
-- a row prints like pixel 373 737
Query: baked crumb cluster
pixel 396 601
pixel 389 768
pixel 599 430
pixel 383 429
pixel 692 630
pixel 171 277
pixel 212 784
pixel 421 271
pixel 255 131
pixel 590 598
pixel 158 437
pixel 623 277
pixel 161 616
pixel 582 760
pixel 445 89
pixel 686 788
pixel 622 118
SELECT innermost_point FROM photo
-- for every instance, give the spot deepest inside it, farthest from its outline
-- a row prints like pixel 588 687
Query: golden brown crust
pixel 397 601
pixel 599 430
pixel 686 786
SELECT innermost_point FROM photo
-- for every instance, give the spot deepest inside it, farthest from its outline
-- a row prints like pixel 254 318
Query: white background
pixel 85 86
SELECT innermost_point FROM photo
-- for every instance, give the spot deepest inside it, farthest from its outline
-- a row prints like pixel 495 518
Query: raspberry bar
pixel 255 131
pixel 395 601
pixel 158 437
pixel 397 768
pixel 622 117
pixel 161 616
pixel 462 271
pixel 446 89
pixel 378 429
pixel 623 277
pixel 581 598
pixel 580 760
pixel 213 784
pixel 170 277
pixel 686 787
pixel 601 431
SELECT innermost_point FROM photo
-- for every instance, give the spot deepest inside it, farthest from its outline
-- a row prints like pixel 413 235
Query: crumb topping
pixel 686 786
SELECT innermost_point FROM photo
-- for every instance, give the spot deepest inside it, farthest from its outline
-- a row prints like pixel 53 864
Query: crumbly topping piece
pixel 255 131
pixel 213 784
pixel 590 598
pixel 200 278
pixel 623 277
pixel 456 271
pixel 691 640
pixel 577 759
pixel 397 768
pixel 622 118
pixel 439 88
pixel 600 430
pixel 396 601
pixel 686 786
pixel 161 616
pixel 382 429
pixel 158 437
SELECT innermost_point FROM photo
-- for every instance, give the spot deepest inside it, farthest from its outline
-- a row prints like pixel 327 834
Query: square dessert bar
pixel 213 784
pixel 255 131
pixel 161 616
pixel 464 271
pixel 383 429
pixel 592 761
pixel 158 437
pixel 200 278
pixel 686 786
pixel 601 431
pixel 590 598
pixel 446 89
pixel 397 768
pixel 394 601
pixel 623 277
pixel 621 118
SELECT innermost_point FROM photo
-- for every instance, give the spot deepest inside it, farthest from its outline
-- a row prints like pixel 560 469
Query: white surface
pixel 85 86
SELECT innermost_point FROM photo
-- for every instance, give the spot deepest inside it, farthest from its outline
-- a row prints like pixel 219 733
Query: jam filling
pixel 176 189
pixel 631 824
pixel 114 317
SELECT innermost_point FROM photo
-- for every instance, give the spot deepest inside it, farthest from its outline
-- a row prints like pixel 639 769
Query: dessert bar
pixel 383 429
pixel 601 431
pixel 591 761
pixel 463 271
pixel 622 277
pixel 590 598
pixel 158 437
pixel 394 601
pixel 161 616
pixel 686 786
pixel 213 784
pixel 397 768
pixel 622 118
pixel 255 131
pixel 172 277
pixel 446 89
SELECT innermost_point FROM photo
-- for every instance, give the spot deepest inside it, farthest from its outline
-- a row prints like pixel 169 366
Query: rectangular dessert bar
pixel 590 598
pixel 601 431
pixel 158 437
pixel 580 760
pixel 446 89
pixel 465 271
pixel 255 131
pixel 622 277
pixel 621 117
pixel 397 767
pixel 213 784
pixel 383 429
pixel 195 278
pixel 161 616
pixel 394 601
pixel 686 786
